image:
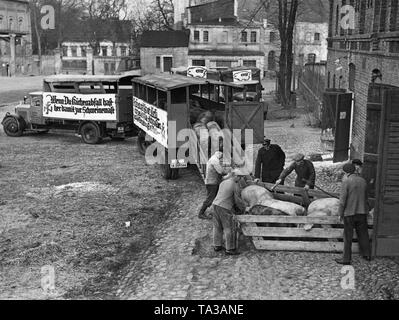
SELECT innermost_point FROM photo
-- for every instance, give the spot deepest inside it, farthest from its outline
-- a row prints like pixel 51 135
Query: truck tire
pixel 13 127
pixel 90 133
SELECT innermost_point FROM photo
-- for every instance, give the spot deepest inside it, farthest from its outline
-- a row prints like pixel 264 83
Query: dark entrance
pixel 386 215
pixel 167 64
pixel 336 115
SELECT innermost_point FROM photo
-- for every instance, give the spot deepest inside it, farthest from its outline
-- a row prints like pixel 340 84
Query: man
pixel 270 162
pixel 353 210
pixel 306 175
pixel 214 172
pixel 223 216
pixel 358 165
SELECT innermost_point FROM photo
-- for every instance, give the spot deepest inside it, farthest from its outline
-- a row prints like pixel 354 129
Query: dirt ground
pixel 65 204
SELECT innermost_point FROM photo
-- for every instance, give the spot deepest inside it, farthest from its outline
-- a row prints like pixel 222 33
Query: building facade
pixel 363 56
pixel 15 38
pixel 163 50
pixel 310 42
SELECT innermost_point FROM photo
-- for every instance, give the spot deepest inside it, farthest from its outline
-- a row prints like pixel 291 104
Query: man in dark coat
pixel 306 174
pixel 269 162
pixel 353 210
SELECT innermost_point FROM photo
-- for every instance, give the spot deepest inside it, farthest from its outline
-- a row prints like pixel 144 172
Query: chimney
pixel 236 8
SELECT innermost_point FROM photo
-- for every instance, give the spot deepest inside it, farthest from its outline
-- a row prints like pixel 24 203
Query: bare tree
pixel 164 9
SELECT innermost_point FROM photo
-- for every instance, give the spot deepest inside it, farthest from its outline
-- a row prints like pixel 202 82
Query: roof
pixel 164 39
pixel 169 81
pixel 99 30
pixel 210 13
pixel 225 53
pixel 174 81
pixel 84 78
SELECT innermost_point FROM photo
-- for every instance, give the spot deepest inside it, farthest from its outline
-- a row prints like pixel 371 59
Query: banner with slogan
pixel 151 119
pixel 242 75
pixel 95 107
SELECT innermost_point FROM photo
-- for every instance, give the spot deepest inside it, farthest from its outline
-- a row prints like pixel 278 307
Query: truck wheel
pixel 141 143
pixel 175 174
pixel 167 171
pixel 90 133
pixel 12 127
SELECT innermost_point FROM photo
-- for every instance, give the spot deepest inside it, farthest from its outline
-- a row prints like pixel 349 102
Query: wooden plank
pixel 296 190
pixel 321 233
pixel 287 197
pixel 294 220
pixel 316 246
pixel 253 225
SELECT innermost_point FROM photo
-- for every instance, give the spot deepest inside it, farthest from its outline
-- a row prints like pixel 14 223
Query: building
pixel 15 38
pixel 108 53
pixel 361 57
pixel 163 50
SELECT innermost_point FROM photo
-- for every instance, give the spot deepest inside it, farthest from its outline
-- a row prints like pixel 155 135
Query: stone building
pixel 361 57
pixel 15 38
pixel 163 50
pixel 109 53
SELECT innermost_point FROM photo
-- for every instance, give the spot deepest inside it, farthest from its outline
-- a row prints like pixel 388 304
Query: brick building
pixel 363 56
pixel 163 50
pixel 15 38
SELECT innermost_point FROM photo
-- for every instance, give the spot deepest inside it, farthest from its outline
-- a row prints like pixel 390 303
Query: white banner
pixel 96 107
pixel 197 72
pixel 242 75
pixel 151 119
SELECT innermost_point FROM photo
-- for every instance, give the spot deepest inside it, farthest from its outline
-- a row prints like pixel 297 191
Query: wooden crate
pixel 286 233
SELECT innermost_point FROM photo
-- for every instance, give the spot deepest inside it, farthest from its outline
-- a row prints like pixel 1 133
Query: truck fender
pixel 20 120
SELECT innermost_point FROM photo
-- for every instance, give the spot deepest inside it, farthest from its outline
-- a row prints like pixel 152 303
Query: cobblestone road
pixel 182 265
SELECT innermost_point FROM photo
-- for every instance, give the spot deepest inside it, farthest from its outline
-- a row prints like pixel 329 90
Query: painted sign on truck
pixel 197 72
pixel 94 107
pixel 242 75
pixel 153 120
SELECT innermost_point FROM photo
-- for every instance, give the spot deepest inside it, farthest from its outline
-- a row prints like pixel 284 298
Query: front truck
pixel 93 116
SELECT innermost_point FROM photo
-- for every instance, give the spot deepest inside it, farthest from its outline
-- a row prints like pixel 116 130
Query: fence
pixel 311 85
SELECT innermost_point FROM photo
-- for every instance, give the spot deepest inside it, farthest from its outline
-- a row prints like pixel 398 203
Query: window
pixel 337 20
pixel 223 64
pixel 21 24
pixel 317 36
pixel 244 36
pixel 206 36
pixel 196 35
pixel 1 20
pixel 362 17
pixel 311 58
pixel 114 51
pixel 123 51
pixel 198 63
pixel 65 51
pixel 271 61
pixel 104 51
pixel 394 47
pixel 249 63
pixel 158 62
pixel 11 23
pixel 253 37
pixel 392 19
pixel 272 36
pixel 74 51
pixel 308 37
pixel 83 51
pixel 224 37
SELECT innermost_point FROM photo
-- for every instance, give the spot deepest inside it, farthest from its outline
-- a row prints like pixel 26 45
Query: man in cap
pixel 306 174
pixel 214 172
pixel 269 162
pixel 353 210
pixel 223 215
pixel 358 165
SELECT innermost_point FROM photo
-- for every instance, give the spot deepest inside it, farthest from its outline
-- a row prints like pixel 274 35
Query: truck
pixel 94 107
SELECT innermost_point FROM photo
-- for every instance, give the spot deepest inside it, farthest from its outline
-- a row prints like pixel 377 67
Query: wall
pixel 305 40
pixel 148 58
